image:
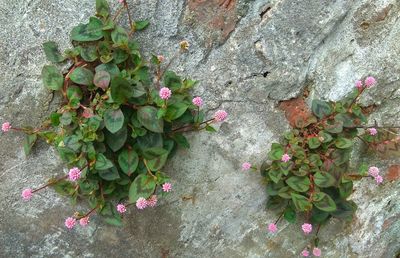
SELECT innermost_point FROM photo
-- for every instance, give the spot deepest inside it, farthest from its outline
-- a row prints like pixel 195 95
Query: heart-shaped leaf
pixel 102 163
pixel 88 32
pixel 113 120
pixel 82 76
pixel 324 202
pixel 324 179
pixel 147 116
pixel 52 53
pixel 299 184
pixel 102 79
pixel 52 78
pixel 143 186
pixel 128 161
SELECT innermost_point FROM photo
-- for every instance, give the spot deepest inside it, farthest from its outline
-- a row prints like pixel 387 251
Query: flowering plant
pixel 120 120
pixel 309 170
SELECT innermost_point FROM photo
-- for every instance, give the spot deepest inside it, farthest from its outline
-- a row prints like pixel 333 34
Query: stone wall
pixel 248 56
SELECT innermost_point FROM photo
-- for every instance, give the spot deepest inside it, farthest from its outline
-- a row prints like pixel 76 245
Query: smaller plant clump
pixel 121 118
pixel 309 171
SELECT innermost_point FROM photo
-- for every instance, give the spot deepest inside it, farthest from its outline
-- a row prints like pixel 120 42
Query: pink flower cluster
pixel 74 174
pixel 121 208
pixel 84 221
pixel 272 227
pixel 197 101
pixel 142 203
pixel 369 82
pixel 316 252
pixel 165 93
pixel 5 127
pixel 286 157
pixel 167 187
pixel 246 166
pixel 220 115
pixel 372 131
pixel 307 228
pixel 374 172
pixel 70 222
pixel 27 194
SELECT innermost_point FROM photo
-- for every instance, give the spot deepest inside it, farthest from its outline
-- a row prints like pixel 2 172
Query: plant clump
pixel 120 120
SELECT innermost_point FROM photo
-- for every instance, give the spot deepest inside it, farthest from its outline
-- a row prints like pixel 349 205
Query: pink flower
pixel 70 222
pixel 379 179
pixel 121 208
pixel 167 187
pixel 220 115
pixel 160 58
pixel 165 93
pixel 316 251
pixel 152 201
pixel 141 203
pixel 286 157
pixel 246 166
pixel 372 131
pixel 121 1
pixel 84 221
pixel 197 101
pixel 369 82
pixel 305 253
pixel 74 174
pixel 359 84
pixel 272 227
pixel 373 171
pixel 307 228
pixel 26 194
pixel 6 127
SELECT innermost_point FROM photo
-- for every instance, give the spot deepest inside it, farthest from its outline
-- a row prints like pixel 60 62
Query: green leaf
pixel 89 54
pixel 273 189
pixel 114 221
pixel 345 189
pixel 321 108
pixel 128 160
pixel 141 25
pixel 275 175
pixel 150 140
pixel 175 110
pixel 88 32
pixel 324 179
pixel 55 119
pixel 119 36
pixel 63 187
pixel 326 137
pixel 299 184
pixel 102 79
pixel 181 140
pixel 313 142
pixel 29 141
pixel 102 163
pixel 347 119
pixel 143 186
pixel 276 152
pixel 153 152
pixel 290 215
pixel 52 53
pixel 318 216
pixel 275 203
pixel 102 8
pixel 119 56
pixel 324 202
pixel 109 174
pixel 74 93
pixel 66 118
pixel 147 116
pixel 52 78
pixel 343 143
pixel 336 127
pixel 172 81
pixel 340 156
pixel 111 68
pixel 113 120
pixel 82 76
pixel 345 210
pixel 117 140
pixel 157 163
pixel 211 129
pixel 121 90
pixel 301 202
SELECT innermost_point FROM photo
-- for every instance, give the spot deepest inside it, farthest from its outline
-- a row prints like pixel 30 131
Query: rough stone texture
pixel 247 56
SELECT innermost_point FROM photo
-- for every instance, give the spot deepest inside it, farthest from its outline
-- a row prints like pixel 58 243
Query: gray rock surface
pixel 247 57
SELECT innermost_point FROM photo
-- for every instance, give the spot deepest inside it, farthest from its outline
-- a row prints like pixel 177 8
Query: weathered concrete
pixel 247 57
